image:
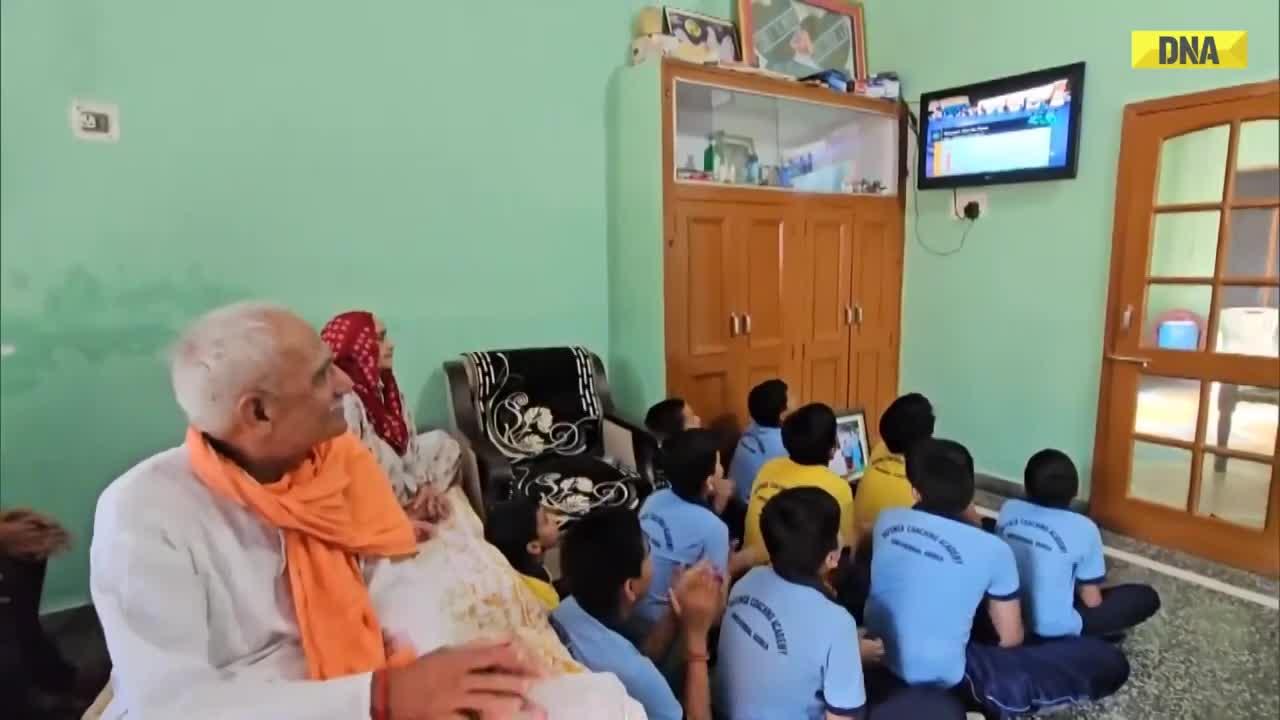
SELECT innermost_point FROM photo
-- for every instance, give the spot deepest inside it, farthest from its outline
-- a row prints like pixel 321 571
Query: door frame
pixel 1108 494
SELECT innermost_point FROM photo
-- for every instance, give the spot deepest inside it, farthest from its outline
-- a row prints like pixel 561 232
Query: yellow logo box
pixel 1190 49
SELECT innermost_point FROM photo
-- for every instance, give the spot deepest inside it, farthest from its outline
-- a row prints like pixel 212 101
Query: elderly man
pixel 239 575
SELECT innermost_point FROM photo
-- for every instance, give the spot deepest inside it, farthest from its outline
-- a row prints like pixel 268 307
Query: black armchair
pixel 542 424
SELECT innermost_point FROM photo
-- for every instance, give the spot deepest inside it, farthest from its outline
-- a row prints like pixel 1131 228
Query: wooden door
pixel 877 302
pixel 828 304
pixel 702 277
pixel 765 233
pixel 1186 452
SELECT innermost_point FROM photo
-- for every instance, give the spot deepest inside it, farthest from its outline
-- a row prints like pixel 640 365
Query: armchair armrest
pixel 495 477
pixel 630 444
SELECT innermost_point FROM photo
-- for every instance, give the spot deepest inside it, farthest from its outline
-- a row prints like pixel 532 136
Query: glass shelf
pixel 746 139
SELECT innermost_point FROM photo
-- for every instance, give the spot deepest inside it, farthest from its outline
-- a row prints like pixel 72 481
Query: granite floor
pixel 1206 656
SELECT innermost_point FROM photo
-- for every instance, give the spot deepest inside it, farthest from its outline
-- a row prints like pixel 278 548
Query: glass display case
pixel 748 139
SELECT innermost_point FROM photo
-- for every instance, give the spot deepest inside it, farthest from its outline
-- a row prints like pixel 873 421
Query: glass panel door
pixel 1191 399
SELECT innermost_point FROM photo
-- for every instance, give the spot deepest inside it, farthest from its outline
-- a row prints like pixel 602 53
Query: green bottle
pixel 709 155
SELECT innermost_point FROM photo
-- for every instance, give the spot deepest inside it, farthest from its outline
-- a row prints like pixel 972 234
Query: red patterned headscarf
pixel 353 338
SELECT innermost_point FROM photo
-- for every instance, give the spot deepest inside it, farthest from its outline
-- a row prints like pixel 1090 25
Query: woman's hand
pixel 426 510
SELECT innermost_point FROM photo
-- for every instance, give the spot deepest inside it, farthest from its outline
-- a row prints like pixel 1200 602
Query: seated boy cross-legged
pixel 809 435
pixel 1059 555
pixel 680 524
pixel 607 567
pixel 932 572
pixel 787 649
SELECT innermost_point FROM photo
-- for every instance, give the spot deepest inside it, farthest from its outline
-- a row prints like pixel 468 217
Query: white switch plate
pixel 964 198
pixel 95 121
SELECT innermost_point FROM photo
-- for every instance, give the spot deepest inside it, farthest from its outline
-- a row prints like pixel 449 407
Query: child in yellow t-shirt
pixel 884 485
pixel 809 436
pixel 523 531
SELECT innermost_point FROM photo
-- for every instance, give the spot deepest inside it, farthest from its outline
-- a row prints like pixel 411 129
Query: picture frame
pixel 803 37
pixel 704 31
pixel 852 452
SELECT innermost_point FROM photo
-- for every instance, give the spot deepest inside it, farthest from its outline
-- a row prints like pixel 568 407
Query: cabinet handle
pixel 857 315
pixel 746 323
pixel 848 315
pixel 733 325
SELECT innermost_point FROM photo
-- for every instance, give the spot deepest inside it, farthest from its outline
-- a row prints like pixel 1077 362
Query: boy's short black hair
pixel 509 527
pixel 1051 479
pixel 907 421
pixel 809 434
pixel 598 555
pixel 767 401
pixel 942 472
pixel 800 527
pixel 688 459
pixel 666 418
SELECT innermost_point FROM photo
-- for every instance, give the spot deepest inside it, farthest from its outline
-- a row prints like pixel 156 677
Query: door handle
pixel 1125 318
pixel 734 329
pixel 1140 361
pixel 857 315
pixel 746 323
pixel 848 314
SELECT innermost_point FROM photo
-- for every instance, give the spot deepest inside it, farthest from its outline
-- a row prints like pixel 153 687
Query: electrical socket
pixel 964 198
pixel 95 121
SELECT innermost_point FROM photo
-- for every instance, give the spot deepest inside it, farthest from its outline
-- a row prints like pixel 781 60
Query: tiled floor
pixel 1206 656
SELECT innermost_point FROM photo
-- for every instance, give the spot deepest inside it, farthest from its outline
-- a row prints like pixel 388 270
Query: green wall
pixel 440 165
pixel 1006 336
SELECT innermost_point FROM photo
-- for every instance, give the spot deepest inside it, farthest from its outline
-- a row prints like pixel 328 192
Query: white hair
pixel 220 356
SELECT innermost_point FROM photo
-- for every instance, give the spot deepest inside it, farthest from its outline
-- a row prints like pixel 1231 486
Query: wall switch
pixel 95 121
pixel 964 198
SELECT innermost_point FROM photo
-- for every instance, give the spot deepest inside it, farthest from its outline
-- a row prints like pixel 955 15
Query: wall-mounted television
pixel 1019 128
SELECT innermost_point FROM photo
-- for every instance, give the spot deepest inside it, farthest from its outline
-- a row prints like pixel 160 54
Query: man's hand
pixel 697 599
pixel 29 535
pixel 485 680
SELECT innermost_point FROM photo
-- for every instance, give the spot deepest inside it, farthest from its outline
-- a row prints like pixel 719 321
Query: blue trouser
pixel 1123 607
pixel 1048 674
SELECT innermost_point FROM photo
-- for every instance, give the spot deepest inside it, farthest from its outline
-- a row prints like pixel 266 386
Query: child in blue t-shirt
pixel 608 569
pixel 932 572
pixel 678 521
pixel 1059 554
pixel 787 648
pixel 762 440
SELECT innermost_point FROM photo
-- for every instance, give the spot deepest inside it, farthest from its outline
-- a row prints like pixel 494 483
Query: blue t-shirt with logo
pixel 929 573
pixel 1056 549
pixel 680 533
pixel 786 651
pixel 601 649
pixel 757 446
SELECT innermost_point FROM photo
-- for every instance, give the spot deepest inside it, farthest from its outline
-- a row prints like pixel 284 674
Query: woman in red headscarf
pixel 484 595
pixel 421 468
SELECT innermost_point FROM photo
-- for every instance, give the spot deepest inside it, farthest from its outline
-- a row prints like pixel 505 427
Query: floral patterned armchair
pixel 542 424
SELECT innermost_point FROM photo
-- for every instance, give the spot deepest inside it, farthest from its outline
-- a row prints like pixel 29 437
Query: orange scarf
pixel 335 506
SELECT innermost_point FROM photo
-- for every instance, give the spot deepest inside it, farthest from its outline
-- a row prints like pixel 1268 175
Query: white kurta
pixel 431 457
pixel 199 621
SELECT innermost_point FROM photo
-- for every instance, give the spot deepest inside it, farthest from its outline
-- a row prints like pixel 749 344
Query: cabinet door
pixel 701 288
pixel 877 293
pixel 828 305
pixel 765 233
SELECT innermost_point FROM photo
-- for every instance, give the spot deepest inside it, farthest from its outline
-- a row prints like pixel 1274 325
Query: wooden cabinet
pixel 786 261
pixel 796 289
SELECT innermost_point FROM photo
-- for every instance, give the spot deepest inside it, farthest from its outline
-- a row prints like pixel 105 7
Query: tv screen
pixel 1015 129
